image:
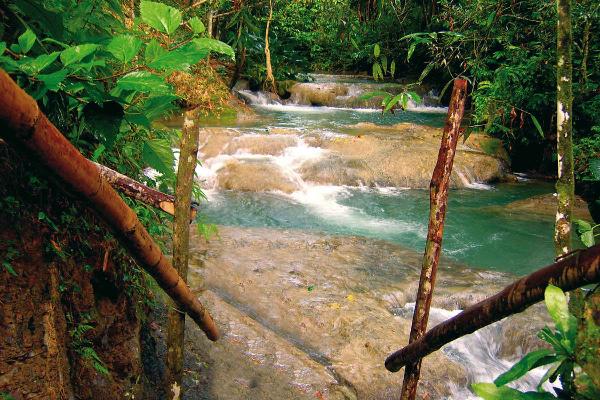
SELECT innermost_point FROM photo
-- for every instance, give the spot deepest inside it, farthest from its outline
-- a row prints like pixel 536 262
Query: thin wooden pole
pixel 23 125
pixel 580 269
pixel 188 153
pixel 438 203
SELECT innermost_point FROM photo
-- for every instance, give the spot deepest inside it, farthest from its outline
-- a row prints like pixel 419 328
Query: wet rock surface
pixel 365 154
pixel 308 315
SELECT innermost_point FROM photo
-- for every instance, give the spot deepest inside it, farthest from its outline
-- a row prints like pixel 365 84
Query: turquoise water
pixel 478 231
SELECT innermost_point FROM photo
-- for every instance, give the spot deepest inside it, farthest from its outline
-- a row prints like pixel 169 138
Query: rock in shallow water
pixel 318 314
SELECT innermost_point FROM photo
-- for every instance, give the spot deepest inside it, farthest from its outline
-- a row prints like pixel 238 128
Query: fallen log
pixel 136 190
pixel 438 203
pixel 25 126
pixel 579 269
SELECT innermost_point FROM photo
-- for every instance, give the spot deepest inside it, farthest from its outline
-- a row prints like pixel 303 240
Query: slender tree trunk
pixel 438 202
pixel 209 23
pixel 269 84
pixel 585 50
pixel 579 269
pixel 188 151
pixel 564 132
pixel 240 60
pixel 25 126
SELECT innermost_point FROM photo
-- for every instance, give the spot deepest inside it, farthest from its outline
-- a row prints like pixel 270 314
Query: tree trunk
pixel 565 186
pixel 240 60
pixel 136 190
pixel 188 151
pixel 438 202
pixel 23 125
pixel 585 50
pixel 269 84
pixel 579 269
pixel 209 23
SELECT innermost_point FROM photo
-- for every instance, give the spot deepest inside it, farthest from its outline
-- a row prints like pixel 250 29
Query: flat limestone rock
pixel 322 312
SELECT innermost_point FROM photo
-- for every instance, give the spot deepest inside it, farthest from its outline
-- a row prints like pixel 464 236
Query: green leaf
pixel 180 59
pixel 377 73
pixel 196 25
pixel 157 154
pixel 98 152
pixel 144 82
pixel 415 97
pixel 558 308
pixel 52 81
pixel 9 268
pixel 124 47
pixel 587 238
pixel 384 64
pixel 426 72
pixel 2 47
pixel 489 391
pixel 77 53
pixel 530 361
pixel 376 50
pixel 33 66
pixel 393 102
pixel 105 120
pixel 26 41
pixel 537 125
pixel 411 50
pixel 594 168
pixel 214 46
pixel 160 16
pixel 393 68
pixel 153 51
pixel 370 95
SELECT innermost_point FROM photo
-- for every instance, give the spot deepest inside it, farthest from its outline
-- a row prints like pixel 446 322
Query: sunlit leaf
pixel 376 50
pixel 75 54
pixel 196 25
pixel 160 16
pixel 143 81
pixel 489 391
pixel 33 66
pixel 530 361
pixel 52 81
pixel 537 125
pixel 181 58
pixel 393 68
pixel 26 41
pixel 124 47
pixel 558 308
pixel 153 51
pixel 214 46
pixel 157 154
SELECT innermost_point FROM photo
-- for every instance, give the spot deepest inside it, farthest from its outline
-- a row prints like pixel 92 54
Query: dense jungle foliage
pixel 107 72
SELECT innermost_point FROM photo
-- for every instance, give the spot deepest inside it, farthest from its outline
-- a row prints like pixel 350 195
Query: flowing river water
pixel 322 215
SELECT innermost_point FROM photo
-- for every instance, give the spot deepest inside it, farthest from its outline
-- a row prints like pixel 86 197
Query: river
pixel 320 242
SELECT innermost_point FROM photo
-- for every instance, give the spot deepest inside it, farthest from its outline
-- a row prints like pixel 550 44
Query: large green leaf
pixel 370 95
pixel 489 391
pixel 26 41
pixel 585 232
pixel 181 58
pixel 75 54
pixel 376 50
pixel 196 25
pixel 144 82
pixel 157 154
pixel 33 66
pixel 558 308
pixel 153 51
pixel 52 81
pixel 104 119
pixel 124 47
pixel 160 16
pixel 214 46
pixel 537 125
pixel 530 361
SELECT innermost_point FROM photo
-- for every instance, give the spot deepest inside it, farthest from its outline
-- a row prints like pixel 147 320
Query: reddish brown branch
pixel 438 202
pixel 579 269
pixel 27 128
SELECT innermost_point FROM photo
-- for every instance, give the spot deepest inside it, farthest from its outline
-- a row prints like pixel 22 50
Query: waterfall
pixel 468 181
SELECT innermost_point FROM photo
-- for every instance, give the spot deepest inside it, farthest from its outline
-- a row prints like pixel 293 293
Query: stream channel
pixel 322 214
